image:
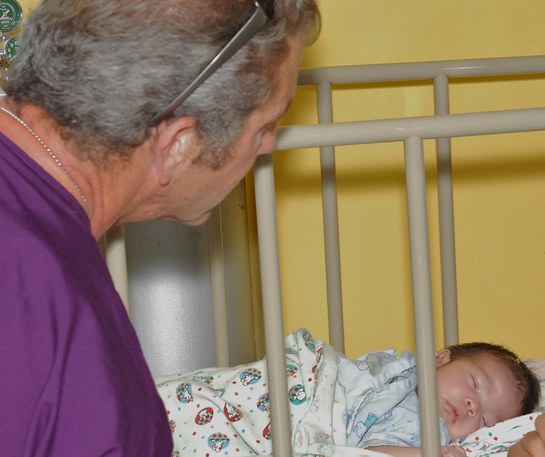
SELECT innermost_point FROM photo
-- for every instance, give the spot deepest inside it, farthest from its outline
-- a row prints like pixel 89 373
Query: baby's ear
pixel 442 357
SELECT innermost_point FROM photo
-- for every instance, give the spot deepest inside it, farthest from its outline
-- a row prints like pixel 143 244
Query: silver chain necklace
pixel 49 151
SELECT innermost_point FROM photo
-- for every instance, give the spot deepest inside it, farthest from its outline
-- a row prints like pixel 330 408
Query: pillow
pixel 498 438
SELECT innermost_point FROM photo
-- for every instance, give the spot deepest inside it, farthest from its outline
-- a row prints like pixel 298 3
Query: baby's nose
pixel 472 407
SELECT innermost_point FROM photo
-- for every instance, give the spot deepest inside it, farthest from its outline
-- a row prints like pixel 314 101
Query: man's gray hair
pixel 103 68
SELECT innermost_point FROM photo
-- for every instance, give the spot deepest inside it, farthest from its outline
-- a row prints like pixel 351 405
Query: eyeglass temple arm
pixel 252 26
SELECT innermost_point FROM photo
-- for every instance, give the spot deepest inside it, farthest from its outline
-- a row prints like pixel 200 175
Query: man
pixel 112 115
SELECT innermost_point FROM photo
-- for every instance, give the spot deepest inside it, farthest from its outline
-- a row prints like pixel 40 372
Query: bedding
pixel 497 439
pixel 225 411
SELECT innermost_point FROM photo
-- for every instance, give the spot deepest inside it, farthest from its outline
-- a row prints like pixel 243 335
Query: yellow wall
pixel 499 181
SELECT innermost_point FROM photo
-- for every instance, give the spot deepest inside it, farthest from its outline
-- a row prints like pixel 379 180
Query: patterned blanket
pixel 497 439
pixel 225 411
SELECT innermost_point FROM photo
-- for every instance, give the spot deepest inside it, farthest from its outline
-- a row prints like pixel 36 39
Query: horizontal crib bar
pixel 426 127
pixel 417 71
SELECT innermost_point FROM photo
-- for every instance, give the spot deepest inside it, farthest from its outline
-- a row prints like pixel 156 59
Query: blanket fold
pixel 225 411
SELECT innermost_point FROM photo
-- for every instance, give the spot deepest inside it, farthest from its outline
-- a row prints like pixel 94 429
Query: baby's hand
pixel 452 451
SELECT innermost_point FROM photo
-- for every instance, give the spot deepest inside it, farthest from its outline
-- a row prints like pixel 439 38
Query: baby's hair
pixel 525 379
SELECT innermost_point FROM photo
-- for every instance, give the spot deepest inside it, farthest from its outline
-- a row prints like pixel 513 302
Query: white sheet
pixel 499 438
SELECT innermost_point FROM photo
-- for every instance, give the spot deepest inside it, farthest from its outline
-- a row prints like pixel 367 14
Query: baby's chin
pixel 455 433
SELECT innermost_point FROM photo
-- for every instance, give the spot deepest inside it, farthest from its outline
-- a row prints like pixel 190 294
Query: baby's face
pixel 474 393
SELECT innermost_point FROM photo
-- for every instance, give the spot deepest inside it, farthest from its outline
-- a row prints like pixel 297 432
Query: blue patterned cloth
pixel 381 400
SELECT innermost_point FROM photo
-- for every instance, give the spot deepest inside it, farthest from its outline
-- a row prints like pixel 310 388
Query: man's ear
pixel 175 141
pixel 442 357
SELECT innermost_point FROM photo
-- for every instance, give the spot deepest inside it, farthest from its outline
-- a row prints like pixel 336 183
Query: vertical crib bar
pixel 116 259
pixel 217 280
pixel 422 296
pixel 331 223
pixel 446 218
pixel 272 305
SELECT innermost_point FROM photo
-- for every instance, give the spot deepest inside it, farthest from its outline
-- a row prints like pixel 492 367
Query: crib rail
pixel 421 71
pixel 412 132
pixel 426 127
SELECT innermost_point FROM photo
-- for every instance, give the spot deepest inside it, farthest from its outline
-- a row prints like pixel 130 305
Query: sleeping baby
pixel 339 406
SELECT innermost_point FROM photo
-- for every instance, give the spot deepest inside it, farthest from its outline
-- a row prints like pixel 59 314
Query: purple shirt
pixel 73 380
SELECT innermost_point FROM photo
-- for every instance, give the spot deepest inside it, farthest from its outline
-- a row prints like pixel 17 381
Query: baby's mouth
pixel 452 411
